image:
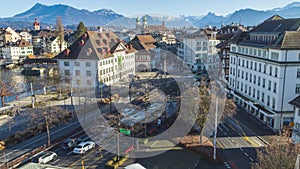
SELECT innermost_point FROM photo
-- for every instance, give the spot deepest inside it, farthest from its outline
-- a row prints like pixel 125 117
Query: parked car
pixel 44 157
pixel 70 143
pixel 83 147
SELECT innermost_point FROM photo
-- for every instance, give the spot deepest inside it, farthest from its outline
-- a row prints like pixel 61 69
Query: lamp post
pixel 47 127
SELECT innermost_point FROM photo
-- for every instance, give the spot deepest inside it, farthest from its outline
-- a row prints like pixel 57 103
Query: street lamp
pixel 46 116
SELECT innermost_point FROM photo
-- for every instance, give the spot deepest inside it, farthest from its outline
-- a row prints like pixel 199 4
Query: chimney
pixel 100 29
pixel 67 52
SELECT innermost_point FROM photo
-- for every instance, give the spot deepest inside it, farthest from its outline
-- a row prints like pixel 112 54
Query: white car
pixel 83 147
pixel 126 112
pixel 44 157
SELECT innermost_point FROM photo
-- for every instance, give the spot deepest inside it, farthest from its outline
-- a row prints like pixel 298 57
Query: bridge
pixel 45 65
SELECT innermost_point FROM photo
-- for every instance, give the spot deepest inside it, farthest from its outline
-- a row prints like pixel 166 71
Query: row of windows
pixel 252 78
pixel 256 94
pixel 88 82
pixel 263 38
pixel 115 76
pixel 77 64
pixel 77 73
pixel 256 66
pixel 255 52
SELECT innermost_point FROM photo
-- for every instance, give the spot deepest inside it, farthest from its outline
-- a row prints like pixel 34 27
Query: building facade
pixel 264 72
pixel 97 58
pixel 296 124
pixel 198 50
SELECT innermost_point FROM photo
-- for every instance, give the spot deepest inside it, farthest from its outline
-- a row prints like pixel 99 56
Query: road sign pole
pixel 82 164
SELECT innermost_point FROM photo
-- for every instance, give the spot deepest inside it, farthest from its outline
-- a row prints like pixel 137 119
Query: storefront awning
pixel 268 114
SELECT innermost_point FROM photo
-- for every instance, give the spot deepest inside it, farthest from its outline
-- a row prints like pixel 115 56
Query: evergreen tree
pixel 81 29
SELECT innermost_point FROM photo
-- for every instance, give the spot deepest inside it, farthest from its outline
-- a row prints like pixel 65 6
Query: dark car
pixel 70 143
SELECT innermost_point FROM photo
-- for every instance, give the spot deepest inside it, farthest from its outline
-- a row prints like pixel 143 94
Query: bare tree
pixel 207 103
pixel 59 31
pixel 5 90
pixel 280 154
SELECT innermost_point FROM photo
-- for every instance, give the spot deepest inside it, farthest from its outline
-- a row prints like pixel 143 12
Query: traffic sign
pixel 125 131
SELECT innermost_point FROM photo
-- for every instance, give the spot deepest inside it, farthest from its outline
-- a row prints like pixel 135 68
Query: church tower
pixel 137 22
pixel 36 25
pixel 145 22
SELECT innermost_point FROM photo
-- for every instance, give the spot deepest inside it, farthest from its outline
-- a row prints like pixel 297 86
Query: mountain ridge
pixel 47 14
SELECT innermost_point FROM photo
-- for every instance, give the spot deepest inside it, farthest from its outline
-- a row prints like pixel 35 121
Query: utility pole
pixel 216 128
pixel 47 128
pixel 32 96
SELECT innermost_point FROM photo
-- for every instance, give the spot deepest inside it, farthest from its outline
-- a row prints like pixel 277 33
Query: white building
pixel 146 51
pixel 95 58
pixel 14 35
pixel 264 72
pixel 53 45
pixel 17 51
pixel 11 53
pixel 198 50
pixel 296 124
pixel 25 35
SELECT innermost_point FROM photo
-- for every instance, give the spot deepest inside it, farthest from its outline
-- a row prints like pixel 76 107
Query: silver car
pixel 83 147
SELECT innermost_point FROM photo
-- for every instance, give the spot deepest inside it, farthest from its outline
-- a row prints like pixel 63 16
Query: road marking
pixel 232 164
pixel 83 157
pixel 251 159
pixel 220 144
pixel 226 164
pixel 225 133
pixel 231 127
pixel 241 149
pixel 251 142
pixel 69 153
pixel 246 154
pixel 220 129
pixel 56 161
pixel 152 145
pixel 224 126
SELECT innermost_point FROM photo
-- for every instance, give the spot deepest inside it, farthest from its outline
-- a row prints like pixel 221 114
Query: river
pixel 19 84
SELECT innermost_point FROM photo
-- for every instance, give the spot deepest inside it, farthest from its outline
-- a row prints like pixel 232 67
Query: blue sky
pixel 134 7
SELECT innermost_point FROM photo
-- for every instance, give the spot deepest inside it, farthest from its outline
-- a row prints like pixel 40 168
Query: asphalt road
pixel 239 143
